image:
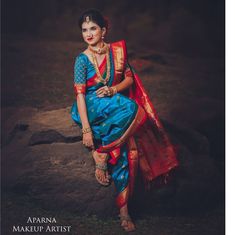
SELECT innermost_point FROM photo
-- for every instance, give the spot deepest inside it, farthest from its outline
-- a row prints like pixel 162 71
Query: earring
pixel 102 37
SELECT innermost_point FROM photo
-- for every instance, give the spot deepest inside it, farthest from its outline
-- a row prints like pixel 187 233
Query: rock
pixel 14 120
pixel 196 185
pixel 46 137
pixel 60 176
pixel 51 136
pixel 18 128
pixel 213 129
pixel 59 173
pixel 59 120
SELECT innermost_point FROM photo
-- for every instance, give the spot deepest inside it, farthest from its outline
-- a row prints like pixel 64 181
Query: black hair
pixel 95 16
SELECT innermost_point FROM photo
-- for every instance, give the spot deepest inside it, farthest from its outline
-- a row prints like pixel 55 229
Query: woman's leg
pixel 101 171
pixel 126 221
pixel 120 176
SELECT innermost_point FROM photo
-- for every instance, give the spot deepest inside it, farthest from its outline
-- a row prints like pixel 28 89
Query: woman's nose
pixel 89 34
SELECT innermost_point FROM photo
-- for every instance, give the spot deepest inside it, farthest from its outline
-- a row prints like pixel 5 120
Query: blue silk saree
pixel 124 126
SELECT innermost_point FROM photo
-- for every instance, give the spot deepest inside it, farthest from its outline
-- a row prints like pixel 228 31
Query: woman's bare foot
pixel 126 221
pixel 101 172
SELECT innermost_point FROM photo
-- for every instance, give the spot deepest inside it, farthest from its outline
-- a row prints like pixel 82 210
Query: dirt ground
pixel 184 89
pixel 209 222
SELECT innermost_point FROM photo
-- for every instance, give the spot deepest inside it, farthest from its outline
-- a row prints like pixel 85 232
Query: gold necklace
pixel 95 63
pixel 100 50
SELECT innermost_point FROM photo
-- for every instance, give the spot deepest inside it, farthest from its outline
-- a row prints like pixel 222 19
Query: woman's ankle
pixel 124 210
pixel 100 157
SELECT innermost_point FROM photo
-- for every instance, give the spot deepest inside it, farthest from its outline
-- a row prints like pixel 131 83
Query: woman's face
pixel 92 33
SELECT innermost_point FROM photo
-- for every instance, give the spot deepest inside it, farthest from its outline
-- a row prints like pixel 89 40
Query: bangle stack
pixel 113 90
pixel 86 130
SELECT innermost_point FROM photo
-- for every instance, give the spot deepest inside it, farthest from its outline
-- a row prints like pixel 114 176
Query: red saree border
pixel 133 163
pixel 122 197
pixel 114 154
pixel 79 88
pixel 119 59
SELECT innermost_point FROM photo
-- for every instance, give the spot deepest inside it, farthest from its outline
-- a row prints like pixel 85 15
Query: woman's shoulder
pixel 81 58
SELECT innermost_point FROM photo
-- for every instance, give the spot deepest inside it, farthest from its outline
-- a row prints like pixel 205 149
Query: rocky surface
pixel 44 158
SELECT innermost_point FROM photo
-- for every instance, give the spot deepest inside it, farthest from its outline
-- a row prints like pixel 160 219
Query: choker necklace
pixel 100 50
pixel 95 63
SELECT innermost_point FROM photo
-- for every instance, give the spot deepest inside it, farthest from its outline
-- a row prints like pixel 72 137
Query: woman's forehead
pixel 87 25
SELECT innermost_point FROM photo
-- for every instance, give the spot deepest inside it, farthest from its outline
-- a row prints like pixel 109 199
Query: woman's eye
pixel 84 30
pixel 93 28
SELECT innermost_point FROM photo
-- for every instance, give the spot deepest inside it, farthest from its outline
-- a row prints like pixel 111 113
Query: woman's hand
pixel 87 140
pixel 104 91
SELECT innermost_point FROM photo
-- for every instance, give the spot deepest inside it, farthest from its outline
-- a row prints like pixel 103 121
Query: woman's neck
pixel 99 48
pixel 99 44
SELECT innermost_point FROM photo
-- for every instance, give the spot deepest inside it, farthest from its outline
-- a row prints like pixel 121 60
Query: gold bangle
pixel 86 130
pixel 114 90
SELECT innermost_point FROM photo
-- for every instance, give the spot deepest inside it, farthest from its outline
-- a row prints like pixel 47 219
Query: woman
pixel 117 118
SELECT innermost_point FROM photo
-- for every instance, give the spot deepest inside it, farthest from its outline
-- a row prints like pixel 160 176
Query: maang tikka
pixel 87 19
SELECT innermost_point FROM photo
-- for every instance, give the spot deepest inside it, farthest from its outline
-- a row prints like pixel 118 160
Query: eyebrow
pixel 94 26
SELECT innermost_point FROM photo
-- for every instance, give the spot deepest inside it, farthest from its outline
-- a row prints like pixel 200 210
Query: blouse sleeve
pixel 80 72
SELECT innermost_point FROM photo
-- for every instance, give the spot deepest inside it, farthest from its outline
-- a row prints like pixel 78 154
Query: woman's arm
pixel 87 133
pixel 126 82
pixel 123 85
pixel 82 110
pixel 80 71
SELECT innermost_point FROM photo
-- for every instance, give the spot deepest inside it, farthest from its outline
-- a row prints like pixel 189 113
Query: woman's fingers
pixel 101 92
pixel 101 95
pixel 88 140
pixel 101 89
pixel 90 144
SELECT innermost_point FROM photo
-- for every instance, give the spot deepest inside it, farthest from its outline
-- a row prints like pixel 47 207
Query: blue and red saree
pixel 125 126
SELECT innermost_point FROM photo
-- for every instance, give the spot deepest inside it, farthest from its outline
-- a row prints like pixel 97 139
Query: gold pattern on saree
pixel 140 116
pixel 116 152
pixel 119 62
pixel 80 88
